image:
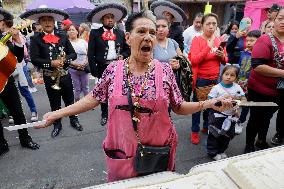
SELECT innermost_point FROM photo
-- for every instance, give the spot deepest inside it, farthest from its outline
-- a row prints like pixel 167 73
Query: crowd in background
pixel 236 62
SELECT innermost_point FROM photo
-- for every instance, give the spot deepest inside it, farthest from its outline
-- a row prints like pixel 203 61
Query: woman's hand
pixel 49 117
pixel 78 66
pixel 119 57
pixel 220 52
pixel 221 104
pixel 174 64
pixel 240 34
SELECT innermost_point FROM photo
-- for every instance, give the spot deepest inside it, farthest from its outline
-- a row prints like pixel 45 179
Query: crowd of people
pixel 149 67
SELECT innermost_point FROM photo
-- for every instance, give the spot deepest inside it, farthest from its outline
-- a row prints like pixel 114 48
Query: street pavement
pixel 75 159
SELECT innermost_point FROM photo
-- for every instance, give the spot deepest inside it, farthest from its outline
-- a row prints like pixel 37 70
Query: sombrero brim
pixel 5 15
pixel 159 7
pixel 35 14
pixel 118 10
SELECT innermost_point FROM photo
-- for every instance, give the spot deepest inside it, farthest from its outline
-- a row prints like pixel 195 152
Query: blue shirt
pixel 164 54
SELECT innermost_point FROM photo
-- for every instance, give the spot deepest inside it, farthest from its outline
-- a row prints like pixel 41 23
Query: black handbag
pixel 148 159
pixel 277 59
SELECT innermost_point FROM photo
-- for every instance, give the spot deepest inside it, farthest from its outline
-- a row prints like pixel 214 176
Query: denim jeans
pixel 24 90
pixel 196 116
pixel 28 76
pixel 244 113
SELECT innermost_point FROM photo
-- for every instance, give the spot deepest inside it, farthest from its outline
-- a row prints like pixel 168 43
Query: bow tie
pixel 50 38
pixel 108 36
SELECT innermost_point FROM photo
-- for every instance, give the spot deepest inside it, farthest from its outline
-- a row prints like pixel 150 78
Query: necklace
pixel 137 96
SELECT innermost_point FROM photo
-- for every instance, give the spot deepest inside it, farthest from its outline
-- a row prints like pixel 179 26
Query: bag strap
pixel 276 58
pixel 131 108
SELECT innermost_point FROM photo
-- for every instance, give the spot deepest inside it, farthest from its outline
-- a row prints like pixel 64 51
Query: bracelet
pixel 201 105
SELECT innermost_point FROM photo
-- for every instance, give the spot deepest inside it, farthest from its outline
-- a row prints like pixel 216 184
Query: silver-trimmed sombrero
pixel 35 14
pixel 159 7
pixel 5 15
pixel 119 11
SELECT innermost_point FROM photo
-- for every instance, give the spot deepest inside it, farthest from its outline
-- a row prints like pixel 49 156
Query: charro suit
pixel 42 54
pixel 98 52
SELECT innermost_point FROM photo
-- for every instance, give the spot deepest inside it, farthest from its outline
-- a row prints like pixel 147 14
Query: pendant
pixel 136 104
pixel 136 119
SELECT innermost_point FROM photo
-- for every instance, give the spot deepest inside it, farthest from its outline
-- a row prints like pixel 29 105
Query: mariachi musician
pixel 10 95
pixel 53 52
pixel 106 43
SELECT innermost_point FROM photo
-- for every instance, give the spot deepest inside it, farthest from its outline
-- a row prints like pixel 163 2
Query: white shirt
pixel 111 55
pixel 221 90
pixel 188 35
pixel 80 46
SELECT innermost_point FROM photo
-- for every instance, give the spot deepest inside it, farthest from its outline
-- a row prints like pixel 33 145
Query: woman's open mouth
pixel 146 48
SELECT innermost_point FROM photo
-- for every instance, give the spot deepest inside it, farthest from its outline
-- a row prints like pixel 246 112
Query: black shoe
pixel 276 140
pixel 261 145
pixel 103 121
pixel 55 132
pixel 30 144
pixel 249 149
pixel 4 148
pixel 76 125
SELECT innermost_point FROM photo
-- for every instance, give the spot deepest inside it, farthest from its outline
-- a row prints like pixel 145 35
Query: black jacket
pixel 176 34
pixel 98 49
pixel 42 53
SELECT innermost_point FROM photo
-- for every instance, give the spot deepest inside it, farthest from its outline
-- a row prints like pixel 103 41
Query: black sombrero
pixel 35 14
pixel 119 11
pixel 159 7
pixel 5 15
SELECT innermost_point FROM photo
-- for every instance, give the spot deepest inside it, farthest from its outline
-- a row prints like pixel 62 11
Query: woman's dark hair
pixel 231 67
pixel 206 16
pixel 254 33
pixel 233 23
pixel 135 16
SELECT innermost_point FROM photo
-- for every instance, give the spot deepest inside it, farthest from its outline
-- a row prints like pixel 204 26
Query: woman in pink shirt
pixel 205 55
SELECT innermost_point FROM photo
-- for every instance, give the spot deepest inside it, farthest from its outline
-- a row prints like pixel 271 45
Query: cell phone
pixel 243 25
pixel 222 44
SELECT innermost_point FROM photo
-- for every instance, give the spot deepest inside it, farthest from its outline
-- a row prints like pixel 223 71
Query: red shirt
pixel 263 54
pixel 205 64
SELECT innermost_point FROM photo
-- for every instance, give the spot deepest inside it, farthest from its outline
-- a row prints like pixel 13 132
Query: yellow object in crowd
pixel 208 8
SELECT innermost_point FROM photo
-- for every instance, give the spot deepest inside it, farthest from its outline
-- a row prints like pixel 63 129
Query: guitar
pixel 8 61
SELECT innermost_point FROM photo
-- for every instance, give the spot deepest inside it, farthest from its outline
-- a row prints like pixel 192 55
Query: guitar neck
pixel 6 37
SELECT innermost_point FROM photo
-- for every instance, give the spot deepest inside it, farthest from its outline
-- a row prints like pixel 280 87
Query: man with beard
pixel 10 95
pixel 53 52
pixel 106 43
